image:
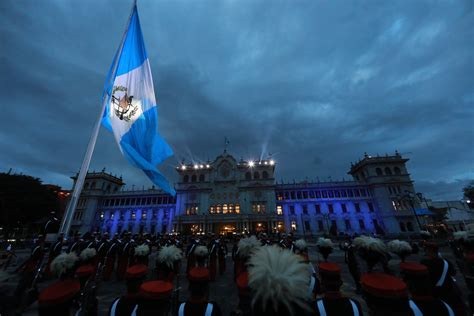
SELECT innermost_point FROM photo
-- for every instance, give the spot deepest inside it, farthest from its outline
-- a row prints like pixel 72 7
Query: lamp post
pixel 408 196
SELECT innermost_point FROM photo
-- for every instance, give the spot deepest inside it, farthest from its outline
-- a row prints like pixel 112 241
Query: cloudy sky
pixel 316 83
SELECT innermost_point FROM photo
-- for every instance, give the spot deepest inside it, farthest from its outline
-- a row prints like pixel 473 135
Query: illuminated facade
pixel 226 196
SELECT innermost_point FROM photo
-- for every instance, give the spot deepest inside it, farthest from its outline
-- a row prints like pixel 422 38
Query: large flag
pixel 131 109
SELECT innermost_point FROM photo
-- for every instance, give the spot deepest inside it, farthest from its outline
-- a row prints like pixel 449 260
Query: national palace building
pixel 227 196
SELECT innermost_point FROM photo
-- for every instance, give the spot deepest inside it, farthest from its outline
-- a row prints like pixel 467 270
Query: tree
pixel 24 200
pixel 469 192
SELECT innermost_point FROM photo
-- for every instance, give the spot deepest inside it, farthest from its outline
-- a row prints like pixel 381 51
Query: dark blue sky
pixel 317 83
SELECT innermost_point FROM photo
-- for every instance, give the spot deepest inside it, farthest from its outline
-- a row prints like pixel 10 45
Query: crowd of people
pixel 273 275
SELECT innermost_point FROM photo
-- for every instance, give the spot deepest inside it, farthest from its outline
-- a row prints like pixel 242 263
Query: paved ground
pixel 223 290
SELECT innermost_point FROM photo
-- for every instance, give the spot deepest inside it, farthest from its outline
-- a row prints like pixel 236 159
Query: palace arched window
pixel 201 178
pixel 93 185
pixel 248 176
pixel 265 175
pixel 86 186
pixel 193 178
pixel 186 179
pixel 256 175
pixel 378 171
pixel 397 170
pixel 388 171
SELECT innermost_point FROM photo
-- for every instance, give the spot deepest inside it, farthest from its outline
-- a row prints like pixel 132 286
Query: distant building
pixel 227 196
pixel 458 213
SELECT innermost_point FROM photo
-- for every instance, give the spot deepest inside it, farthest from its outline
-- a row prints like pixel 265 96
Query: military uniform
pixel 198 304
pixel 213 249
pixel 110 258
pixel 124 305
pixel 222 254
pixel 123 258
pixel 155 298
pixel 417 277
pixel 333 302
pixel 75 245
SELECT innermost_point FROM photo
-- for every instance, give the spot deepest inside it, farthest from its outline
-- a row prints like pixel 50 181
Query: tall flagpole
pixel 68 215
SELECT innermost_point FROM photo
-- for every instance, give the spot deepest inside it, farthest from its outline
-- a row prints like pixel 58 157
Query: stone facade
pixel 227 196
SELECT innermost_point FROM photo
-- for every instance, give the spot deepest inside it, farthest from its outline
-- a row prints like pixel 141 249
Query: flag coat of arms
pixel 131 108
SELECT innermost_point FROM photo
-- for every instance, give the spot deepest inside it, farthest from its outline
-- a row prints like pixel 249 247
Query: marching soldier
pixel 37 254
pixel 75 245
pixel 198 303
pixel 124 305
pixel 235 248
pixel 167 263
pixel 278 281
pixel 222 254
pixel 110 257
pixel 54 251
pixel 246 247
pixel 190 254
pixel 155 299
pixel 333 303
pixel 386 294
pixel 417 278
pixel 124 256
pixel 102 248
pixel 350 258
pixel 442 273
pixel 87 241
pixel 213 248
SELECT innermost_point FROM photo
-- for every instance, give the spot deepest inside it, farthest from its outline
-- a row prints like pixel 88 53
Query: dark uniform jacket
pixel 337 305
pixel 198 309
pixel 431 306
pixel 123 306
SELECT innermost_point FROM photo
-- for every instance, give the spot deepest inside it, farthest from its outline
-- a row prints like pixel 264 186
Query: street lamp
pixel 408 196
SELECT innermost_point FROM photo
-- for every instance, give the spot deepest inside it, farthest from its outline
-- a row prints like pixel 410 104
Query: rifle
pixel 87 298
pixel 31 293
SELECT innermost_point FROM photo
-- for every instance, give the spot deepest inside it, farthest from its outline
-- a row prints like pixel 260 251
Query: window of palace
pixel 357 192
pixel 320 225
pixel 388 171
pixel 265 175
pixel 331 194
pixel 361 224
pixel 318 194
pixel 371 206
pixel 112 215
pixel 279 196
pixel 248 176
pixel 144 214
pixel 357 207
pixel 279 210
pixel 305 195
pixel 397 171
pixel 409 226
pixel 311 194
pixel 134 215
pixel 378 171
pixel 347 223
pixel 292 209
pixel 193 178
pixel 402 227
pixel 330 208
pixel 201 178
pixel 344 208
pixel 325 194
pixel 224 208
pixel 256 175
pixel 293 225
pixel 101 215
pixel 307 227
pixel 338 194
pixel 237 208
pixel 258 207
pixel 351 193
pixel 287 195
pixel 122 215
pixel 305 209
pixel 191 209
pixel 344 193
pixel 293 195
pixel 298 195
pixel 318 208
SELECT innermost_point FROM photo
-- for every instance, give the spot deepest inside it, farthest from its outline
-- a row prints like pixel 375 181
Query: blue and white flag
pixel 131 109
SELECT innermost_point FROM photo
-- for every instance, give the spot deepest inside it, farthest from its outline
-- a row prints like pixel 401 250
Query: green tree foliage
pixel 469 191
pixel 24 200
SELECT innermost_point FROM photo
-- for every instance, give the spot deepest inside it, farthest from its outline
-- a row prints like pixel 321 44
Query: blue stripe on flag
pixel 133 51
pixel 144 148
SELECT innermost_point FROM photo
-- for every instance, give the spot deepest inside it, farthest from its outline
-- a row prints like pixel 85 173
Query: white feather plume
pixel 87 254
pixel 63 263
pixel 169 255
pixel 248 245
pixel 399 247
pixel 325 242
pixel 142 250
pixel 460 235
pixel 370 243
pixel 425 233
pixel 301 244
pixel 201 251
pixel 277 277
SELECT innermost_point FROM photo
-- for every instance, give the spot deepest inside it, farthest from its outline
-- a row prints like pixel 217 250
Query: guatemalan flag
pixel 131 109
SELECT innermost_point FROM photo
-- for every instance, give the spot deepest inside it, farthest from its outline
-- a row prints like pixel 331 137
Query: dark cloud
pixel 316 84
